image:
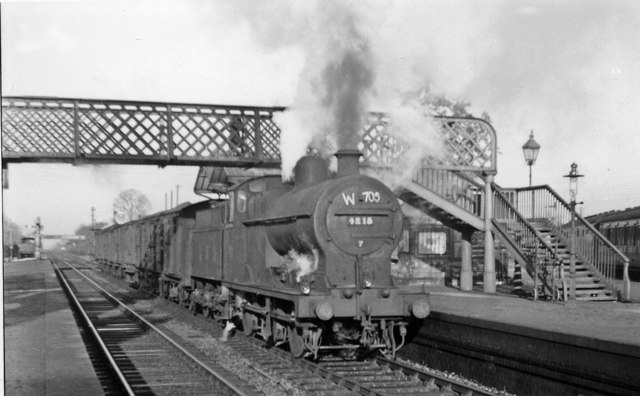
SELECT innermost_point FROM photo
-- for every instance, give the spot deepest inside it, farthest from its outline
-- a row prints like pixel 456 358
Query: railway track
pixel 140 356
pixel 337 376
pixel 330 376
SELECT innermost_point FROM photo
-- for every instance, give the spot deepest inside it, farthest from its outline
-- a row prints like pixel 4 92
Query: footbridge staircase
pixel 457 187
pixel 534 225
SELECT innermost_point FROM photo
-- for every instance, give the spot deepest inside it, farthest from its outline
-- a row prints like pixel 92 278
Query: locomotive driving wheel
pixel 248 323
pixel 296 341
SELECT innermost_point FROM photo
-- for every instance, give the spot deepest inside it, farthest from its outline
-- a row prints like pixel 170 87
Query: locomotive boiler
pixel 306 264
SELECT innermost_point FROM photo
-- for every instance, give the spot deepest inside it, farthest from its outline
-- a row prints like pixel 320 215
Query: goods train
pixel 306 264
pixel 27 247
pixel 622 228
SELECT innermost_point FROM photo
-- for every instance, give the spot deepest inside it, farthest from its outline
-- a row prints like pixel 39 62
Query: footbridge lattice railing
pixel 38 129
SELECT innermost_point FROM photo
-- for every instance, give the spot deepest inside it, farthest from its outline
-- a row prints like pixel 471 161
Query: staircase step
pixel 567 262
pixel 587 279
pixel 596 298
pixel 578 267
pixel 588 292
pixel 590 286
pixel 592 294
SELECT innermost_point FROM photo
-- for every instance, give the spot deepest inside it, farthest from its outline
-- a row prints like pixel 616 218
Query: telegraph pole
pixel 38 238
pixel 177 191
pixel 93 217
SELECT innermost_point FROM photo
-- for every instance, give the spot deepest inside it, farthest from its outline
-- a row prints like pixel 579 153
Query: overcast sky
pixel 568 70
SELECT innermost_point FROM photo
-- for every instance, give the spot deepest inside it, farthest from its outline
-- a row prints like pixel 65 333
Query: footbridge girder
pixel 40 129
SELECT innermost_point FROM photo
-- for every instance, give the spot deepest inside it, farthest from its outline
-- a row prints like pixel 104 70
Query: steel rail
pixel 344 381
pixel 427 378
pixel 229 384
pixel 94 331
pixel 463 389
pixel 358 387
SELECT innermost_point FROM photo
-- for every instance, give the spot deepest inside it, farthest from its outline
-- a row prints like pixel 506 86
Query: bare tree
pixel 11 232
pixel 438 105
pixel 130 205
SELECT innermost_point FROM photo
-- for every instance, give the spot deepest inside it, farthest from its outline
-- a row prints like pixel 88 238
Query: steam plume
pixel 564 69
pixel 302 264
pixel 335 86
pixel 352 65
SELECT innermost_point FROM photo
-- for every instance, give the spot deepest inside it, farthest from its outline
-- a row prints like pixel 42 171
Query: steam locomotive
pixel 306 264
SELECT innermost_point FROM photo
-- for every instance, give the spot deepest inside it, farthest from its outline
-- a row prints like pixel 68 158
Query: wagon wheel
pixel 164 290
pixel 279 337
pixel 247 323
pixel 296 342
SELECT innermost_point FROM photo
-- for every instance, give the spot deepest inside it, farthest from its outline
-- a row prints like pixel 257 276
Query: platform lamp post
pixel 573 191
pixel 531 149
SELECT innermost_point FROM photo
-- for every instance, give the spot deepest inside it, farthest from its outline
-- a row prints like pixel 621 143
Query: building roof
pixel 628 214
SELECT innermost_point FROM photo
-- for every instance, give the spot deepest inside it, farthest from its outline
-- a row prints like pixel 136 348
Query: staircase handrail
pixel 470 179
pixel 449 184
pixel 564 282
pixel 579 218
pixel 532 258
pixel 588 252
pixel 499 193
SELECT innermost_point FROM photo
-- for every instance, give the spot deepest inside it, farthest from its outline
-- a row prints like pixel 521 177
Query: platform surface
pixel 43 350
pixel 605 321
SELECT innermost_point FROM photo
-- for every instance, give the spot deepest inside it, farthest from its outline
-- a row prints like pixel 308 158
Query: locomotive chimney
pixel 348 162
pixel 310 169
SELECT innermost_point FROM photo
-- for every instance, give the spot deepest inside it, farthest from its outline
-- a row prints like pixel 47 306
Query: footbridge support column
pixel 489 249
pixel 466 271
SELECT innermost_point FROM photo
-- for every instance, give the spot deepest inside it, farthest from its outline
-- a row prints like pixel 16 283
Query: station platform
pixel 532 347
pixel 43 350
pixel 615 322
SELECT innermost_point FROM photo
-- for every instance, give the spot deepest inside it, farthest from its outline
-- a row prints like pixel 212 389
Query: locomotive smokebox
pixel 309 170
pixel 348 162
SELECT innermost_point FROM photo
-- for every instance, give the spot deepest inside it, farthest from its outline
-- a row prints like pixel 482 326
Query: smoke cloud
pixel 335 85
pixel 567 70
pixel 363 56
